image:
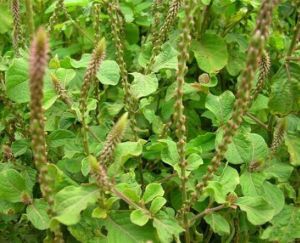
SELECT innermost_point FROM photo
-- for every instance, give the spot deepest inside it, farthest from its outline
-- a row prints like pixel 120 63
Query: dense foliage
pixel 149 121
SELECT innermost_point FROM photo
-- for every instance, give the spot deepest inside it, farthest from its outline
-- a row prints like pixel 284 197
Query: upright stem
pixel 29 12
pixel 179 117
pixel 295 38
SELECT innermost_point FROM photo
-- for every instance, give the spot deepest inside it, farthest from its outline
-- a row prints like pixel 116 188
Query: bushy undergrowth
pixel 150 121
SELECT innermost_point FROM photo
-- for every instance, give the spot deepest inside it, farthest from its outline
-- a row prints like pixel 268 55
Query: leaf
pixel 152 191
pixel 274 196
pixel 37 214
pixel 284 97
pixel 123 152
pixel 82 63
pixel 167 227
pixel 202 143
pixel 251 183
pixel 17 81
pixel 246 148
pixel 157 204
pixel 5 19
pixel 278 170
pixel 59 138
pixel 285 226
pixel 218 223
pixel 166 59
pixel 229 179
pixel 211 53
pixel 109 72
pixel 64 75
pixel 17 84
pixel 68 4
pixel 220 106
pixel 139 217
pixel 143 85
pixel 257 209
pixel 12 185
pixel 292 141
pixel 193 162
pixel 70 201
pixel 169 153
pixel 20 147
pixel 121 229
pixel 236 62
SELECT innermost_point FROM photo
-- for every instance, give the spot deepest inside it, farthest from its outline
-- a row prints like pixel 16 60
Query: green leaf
pixel 218 223
pixel 109 73
pixel 236 62
pixel 139 217
pixel 121 229
pixel 20 147
pixel 220 106
pixel 285 226
pixel 59 138
pixel 284 97
pixel 17 81
pixel 17 84
pixel 229 179
pixel 5 19
pixel 132 191
pixel 278 170
pixel 143 85
pixel 82 63
pixel 12 185
pixel 258 210
pixel 292 141
pixel 211 53
pixel 37 214
pixel 167 227
pixel 70 201
pixel 64 75
pixel 193 162
pixel 157 204
pixel 201 143
pixel 251 183
pixel 169 153
pixel 69 4
pixel 274 196
pixel 152 191
pixel 123 152
pixel 246 148
pixel 166 59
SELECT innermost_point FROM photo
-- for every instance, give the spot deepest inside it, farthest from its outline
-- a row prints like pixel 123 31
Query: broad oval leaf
pixel 211 53
pixel 70 201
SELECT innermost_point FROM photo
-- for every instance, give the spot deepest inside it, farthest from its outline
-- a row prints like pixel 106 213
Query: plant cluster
pixel 149 121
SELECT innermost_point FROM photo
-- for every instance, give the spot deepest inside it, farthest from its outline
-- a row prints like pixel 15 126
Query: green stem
pixel 29 12
pixel 295 39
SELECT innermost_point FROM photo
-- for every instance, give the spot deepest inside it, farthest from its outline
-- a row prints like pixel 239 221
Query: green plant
pixel 149 121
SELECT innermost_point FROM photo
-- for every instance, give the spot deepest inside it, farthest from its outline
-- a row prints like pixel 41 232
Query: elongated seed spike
pixel 242 102
pixel 278 135
pixel 114 137
pixel 37 68
pixel 38 58
pixel 90 76
pixel 264 69
pixel 99 173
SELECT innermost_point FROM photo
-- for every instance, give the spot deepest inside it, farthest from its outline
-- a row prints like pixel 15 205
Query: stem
pixel 295 39
pixel 206 212
pixel 130 202
pixel 204 19
pixel 259 122
pixel 29 12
